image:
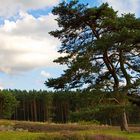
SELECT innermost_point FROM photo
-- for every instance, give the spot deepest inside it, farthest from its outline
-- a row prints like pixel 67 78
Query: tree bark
pixel 124 126
pixel 35 110
pixel 111 69
pixel 124 123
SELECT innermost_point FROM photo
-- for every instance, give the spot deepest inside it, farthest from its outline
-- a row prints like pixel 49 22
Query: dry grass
pixel 48 127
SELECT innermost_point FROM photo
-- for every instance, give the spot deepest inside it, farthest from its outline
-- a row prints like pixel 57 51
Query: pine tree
pixel 102 50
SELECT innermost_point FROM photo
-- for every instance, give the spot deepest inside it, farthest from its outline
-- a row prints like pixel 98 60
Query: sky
pixel 27 50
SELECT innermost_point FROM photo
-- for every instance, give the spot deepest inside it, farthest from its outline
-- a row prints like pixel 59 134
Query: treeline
pixel 62 107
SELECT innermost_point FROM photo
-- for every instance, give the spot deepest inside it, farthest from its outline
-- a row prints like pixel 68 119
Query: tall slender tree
pixel 102 50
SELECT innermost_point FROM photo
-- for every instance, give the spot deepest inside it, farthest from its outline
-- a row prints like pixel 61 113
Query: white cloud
pixel 125 6
pixel 45 74
pixel 26 44
pixel 11 7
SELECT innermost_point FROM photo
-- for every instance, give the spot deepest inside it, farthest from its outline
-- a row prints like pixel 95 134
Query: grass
pixel 47 131
pixel 19 135
pixel 116 133
pixel 7 122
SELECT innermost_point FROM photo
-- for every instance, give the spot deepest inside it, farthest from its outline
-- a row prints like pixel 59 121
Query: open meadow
pixel 19 130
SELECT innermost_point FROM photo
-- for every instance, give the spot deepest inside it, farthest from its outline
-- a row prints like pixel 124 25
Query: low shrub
pixel 103 137
pixel 74 136
pixel 52 127
pixel 95 122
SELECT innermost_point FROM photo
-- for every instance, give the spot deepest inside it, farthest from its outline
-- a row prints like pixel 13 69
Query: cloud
pixel 25 44
pixel 124 6
pixel 9 8
pixel 27 25
pixel 45 74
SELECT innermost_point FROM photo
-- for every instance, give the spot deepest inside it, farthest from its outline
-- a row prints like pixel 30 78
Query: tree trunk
pixel 35 110
pixel 124 123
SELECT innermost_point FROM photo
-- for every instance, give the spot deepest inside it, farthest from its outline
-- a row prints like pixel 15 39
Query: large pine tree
pixel 102 50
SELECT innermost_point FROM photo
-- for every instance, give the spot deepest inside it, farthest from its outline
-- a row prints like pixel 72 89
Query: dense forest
pixel 66 106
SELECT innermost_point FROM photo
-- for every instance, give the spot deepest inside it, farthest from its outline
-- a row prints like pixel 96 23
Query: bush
pixel 86 114
pixel 103 137
pixel 32 127
pixel 89 122
pixel 74 136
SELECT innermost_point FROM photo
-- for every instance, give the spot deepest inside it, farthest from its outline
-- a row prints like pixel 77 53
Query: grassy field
pixel 46 131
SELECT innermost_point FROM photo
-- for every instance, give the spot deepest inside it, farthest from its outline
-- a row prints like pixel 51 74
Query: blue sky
pixel 26 48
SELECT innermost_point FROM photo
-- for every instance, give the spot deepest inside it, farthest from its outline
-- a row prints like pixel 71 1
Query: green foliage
pixel 8 104
pixel 82 115
pixel 100 48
